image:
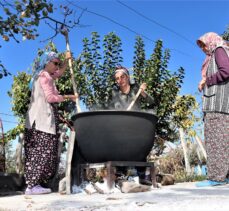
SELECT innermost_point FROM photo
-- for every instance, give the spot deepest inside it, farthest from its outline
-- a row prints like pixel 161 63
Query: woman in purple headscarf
pixel 215 87
pixel 41 133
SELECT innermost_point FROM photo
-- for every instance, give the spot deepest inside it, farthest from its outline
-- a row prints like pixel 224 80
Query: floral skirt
pixel 41 154
pixel 217 145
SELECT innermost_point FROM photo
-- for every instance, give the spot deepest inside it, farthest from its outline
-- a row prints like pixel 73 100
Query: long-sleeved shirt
pixel 49 87
pixel 121 101
pixel 222 61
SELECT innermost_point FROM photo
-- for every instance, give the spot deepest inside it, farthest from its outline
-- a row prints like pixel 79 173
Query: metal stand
pixel 109 165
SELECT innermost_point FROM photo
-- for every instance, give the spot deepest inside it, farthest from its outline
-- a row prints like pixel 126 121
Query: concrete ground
pixel 181 196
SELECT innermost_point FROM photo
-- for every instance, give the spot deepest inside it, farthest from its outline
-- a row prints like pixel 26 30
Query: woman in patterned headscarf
pixel 41 133
pixel 215 87
pixel 125 92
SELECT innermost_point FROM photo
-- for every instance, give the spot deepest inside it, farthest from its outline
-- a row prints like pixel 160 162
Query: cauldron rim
pixel 75 116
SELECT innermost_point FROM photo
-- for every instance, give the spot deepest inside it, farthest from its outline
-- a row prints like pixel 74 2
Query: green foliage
pixel 173 163
pixel 10 158
pixel 184 108
pixel 226 34
pixel 64 86
pixel 139 60
pixel 22 18
pixel 182 176
pixel 97 71
pixel 20 98
pixel 172 110
pixel 3 71
pixel 20 94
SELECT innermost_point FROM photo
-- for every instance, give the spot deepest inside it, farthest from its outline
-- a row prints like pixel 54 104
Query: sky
pixel 177 23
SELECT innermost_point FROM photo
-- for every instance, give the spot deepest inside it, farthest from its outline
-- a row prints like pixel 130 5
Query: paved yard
pixel 181 196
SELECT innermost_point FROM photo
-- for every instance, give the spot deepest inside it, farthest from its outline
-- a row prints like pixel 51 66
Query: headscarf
pixel 211 41
pixel 121 69
pixel 39 64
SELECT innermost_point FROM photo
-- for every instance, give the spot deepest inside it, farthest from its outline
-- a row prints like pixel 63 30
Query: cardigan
pixel 216 96
pixel 40 110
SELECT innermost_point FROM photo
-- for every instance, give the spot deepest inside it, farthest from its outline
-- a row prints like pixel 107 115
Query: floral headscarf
pixel 211 41
pixel 39 64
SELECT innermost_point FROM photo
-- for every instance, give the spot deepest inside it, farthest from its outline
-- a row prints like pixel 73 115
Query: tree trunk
pixel 199 170
pixel 2 149
pixel 185 151
pixel 65 183
pixel 19 147
pixel 2 157
pixel 200 144
pixel 69 161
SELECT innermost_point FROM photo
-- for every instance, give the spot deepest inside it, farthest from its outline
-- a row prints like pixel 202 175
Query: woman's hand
pixel 201 84
pixel 64 63
pixel 68 55
pixel 71 97
pixel 143 88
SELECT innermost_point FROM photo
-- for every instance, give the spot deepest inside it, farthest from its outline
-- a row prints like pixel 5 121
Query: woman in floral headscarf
pixel 41 133
pixel 215 87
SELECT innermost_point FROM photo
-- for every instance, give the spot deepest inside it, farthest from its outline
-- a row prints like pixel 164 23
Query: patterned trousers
pixel 216 131
pixel 41 155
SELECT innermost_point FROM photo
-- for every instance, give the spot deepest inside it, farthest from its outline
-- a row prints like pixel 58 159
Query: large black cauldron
pixel 114 135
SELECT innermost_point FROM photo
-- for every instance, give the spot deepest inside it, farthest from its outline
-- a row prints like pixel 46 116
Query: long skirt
pixel 217 145
pixel 41 155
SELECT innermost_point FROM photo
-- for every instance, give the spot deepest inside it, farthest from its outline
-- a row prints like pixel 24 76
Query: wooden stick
pixel 134 100
pixel 65 33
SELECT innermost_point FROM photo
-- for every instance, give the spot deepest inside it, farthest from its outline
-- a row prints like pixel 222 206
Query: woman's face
pixel 203 47
pixel 121 79
pixel 53 66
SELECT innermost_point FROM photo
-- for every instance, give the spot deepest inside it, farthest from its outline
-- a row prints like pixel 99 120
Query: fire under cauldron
pixel 103 136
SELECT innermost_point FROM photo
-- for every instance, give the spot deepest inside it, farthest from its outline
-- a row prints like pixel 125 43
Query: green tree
pixel 164 86
pixel 20 96
pixel 226 34
pixel 97 70
pixel 139 60
pixel 20 19
pixel 91 68
pixel 185 116
pixel 10 158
